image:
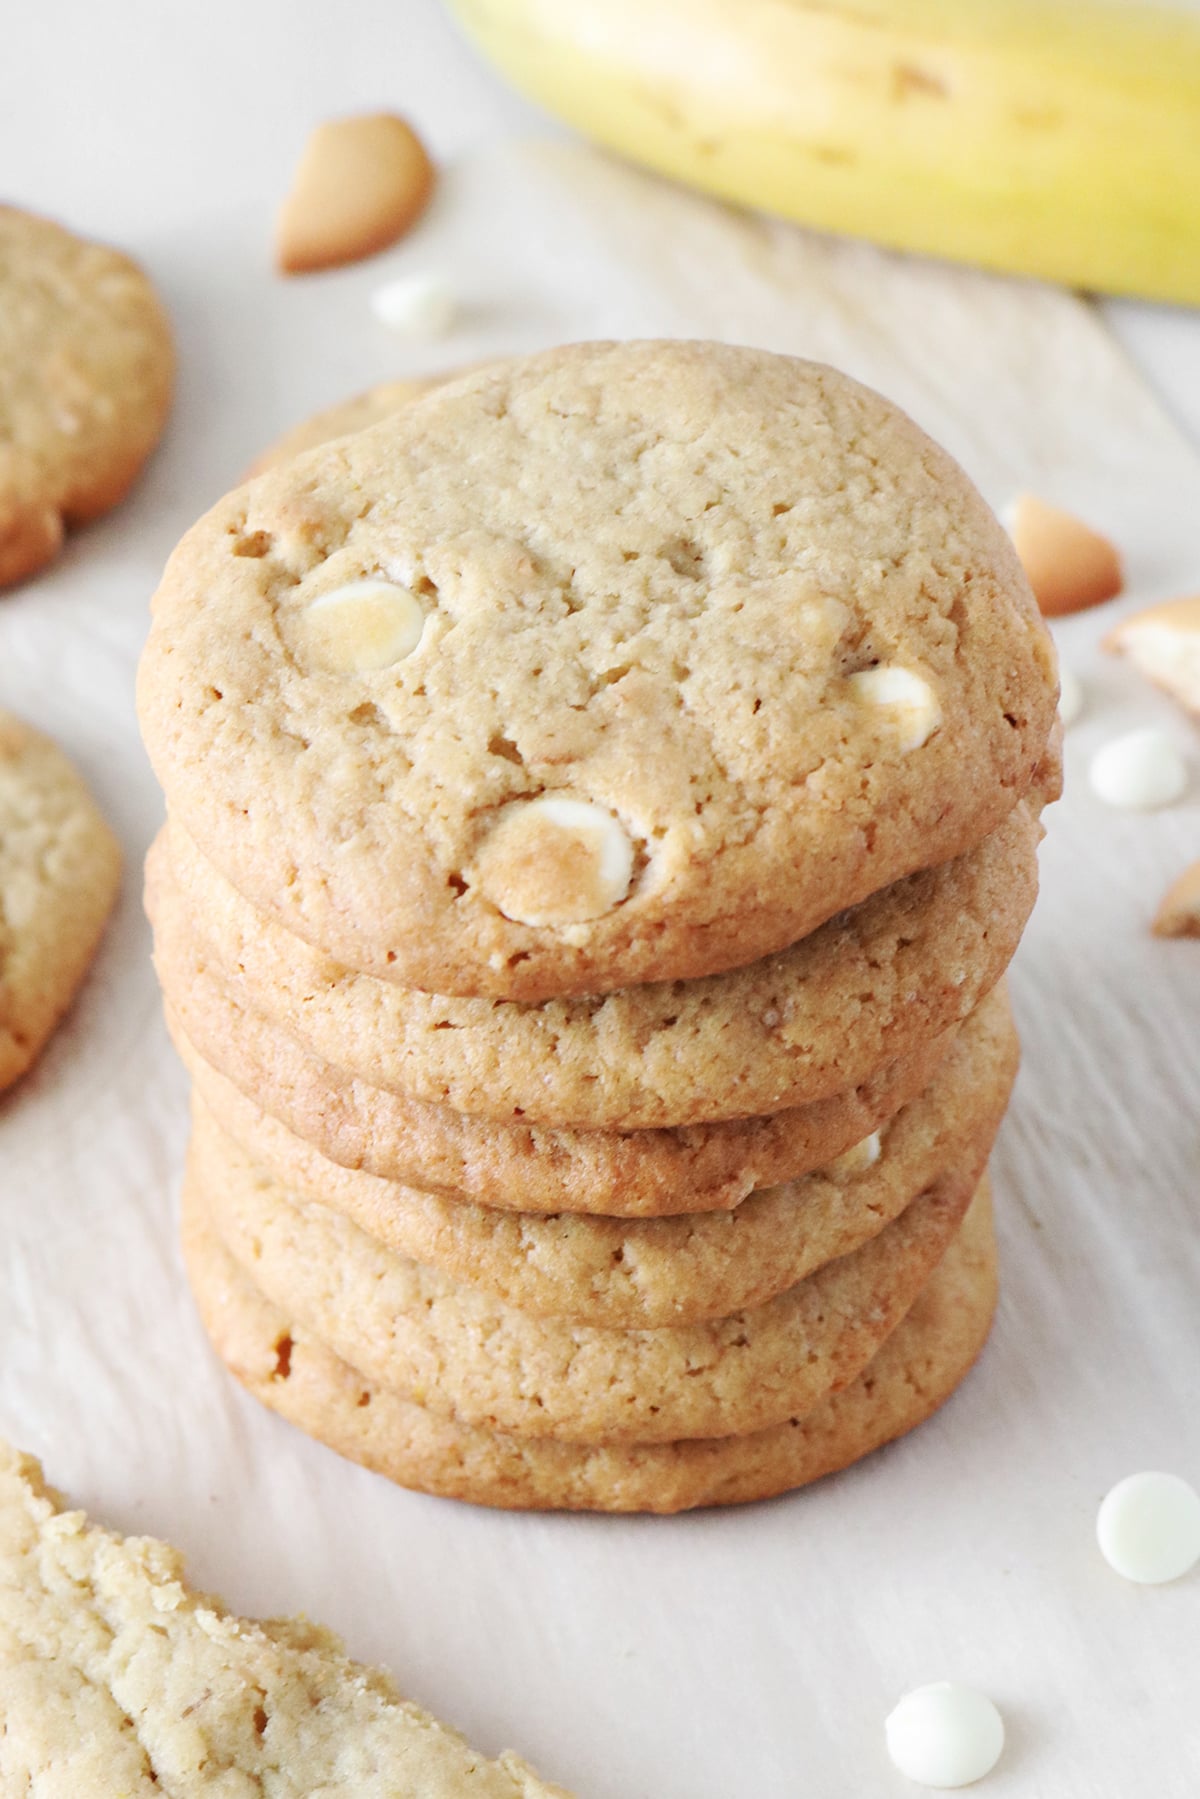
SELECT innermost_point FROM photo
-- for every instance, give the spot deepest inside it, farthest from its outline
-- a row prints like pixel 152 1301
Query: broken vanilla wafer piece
pixel 361 183
pixel 1068 565
pixel 1178 913
pixel 1163 643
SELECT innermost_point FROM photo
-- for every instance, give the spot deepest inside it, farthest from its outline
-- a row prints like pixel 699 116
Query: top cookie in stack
pixel 735 606
pixel 609 786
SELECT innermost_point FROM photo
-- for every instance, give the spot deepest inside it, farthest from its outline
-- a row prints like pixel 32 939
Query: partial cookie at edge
pixel 118 1679
pixel 60 868
pixel 86 373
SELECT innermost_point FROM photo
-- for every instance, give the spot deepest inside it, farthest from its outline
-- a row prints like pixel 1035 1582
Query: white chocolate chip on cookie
pixel 858 1158
pixel 556 861
pixel 908 696
pixel 362 626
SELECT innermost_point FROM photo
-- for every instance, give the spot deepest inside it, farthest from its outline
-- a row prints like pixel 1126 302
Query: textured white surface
pixel 724 1654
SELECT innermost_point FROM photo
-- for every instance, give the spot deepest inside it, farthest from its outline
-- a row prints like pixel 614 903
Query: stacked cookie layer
pixel 603 803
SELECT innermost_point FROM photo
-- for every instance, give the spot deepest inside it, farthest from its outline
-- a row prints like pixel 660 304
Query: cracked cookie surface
pixel 117 1678
pixel 650 577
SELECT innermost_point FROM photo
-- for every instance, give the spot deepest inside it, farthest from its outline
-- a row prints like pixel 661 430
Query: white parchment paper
pixel 744 1653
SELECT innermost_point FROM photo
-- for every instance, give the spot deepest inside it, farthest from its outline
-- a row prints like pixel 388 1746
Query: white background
pixel 750 1652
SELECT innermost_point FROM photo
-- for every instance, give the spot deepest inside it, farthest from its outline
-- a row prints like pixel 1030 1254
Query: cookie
pixel 343 419
pixel 1068 565
pixel 792 1029
pixel 118 1679
pixel 630 1174
pixel 293 1373
pixel 60 868
pixel 1163 643
pixel 1178 912
pixel 461 1351
pixel 361 183
pixel 616 664
pixel 668 1271
pixel 86 371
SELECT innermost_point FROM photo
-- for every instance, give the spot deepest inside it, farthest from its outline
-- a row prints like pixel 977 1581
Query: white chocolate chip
pixel 362 626
pixel 1070 696
pixel 1139 771
pixel 945 1735
pixel 1148 1528
pixel 908 696
pixel 858 1158
pixel 556 861
pixel 419 305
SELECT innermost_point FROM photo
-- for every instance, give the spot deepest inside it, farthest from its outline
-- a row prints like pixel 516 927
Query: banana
pixel 1056 138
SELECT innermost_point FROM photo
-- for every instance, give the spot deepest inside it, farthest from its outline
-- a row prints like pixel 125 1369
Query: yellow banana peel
pixel 1056 138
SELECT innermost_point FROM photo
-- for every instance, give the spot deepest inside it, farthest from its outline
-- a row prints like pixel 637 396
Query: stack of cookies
pixel 603 802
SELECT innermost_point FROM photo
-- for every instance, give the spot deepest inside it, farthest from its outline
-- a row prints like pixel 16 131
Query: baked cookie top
pixel 86 370
pixel 619 663
pixel 59 871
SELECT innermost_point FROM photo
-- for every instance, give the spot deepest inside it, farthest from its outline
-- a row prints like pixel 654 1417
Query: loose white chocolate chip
pixel 945 1735
pixel 362 626
pixel 419 305
pixel 858 1158
pixel 908 696
pixel 1139 771
pixel 1148 1528
pixel 556 861
pixel 1070 696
